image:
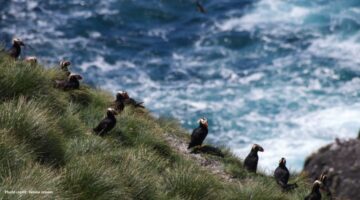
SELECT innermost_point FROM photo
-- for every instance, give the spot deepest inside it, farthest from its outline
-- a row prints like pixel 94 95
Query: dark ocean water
pixel 281 73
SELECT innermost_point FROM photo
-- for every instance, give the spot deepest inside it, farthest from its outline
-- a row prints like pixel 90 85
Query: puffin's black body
pixel 15 50
pixel 282 176
pixel 251 161
pixel 119 102
pixel 315 192
pixel 107 124
pixel 199 134
pixel 71 84
pixel 131 101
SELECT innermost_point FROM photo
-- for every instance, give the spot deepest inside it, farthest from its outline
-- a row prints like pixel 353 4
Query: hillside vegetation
pixel 47 144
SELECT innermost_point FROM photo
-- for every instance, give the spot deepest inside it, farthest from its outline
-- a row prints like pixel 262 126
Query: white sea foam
pixel 344 50
pixel 267 12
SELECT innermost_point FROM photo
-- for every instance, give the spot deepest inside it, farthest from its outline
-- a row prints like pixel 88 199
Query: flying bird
pixel 107 124
pixel 200 7
pixel 15 50
pixel 315 191
pixel 251 161
pixel 282 176
pixel 73 82
pixel 131 101
pixel 64 66
pixel 199 134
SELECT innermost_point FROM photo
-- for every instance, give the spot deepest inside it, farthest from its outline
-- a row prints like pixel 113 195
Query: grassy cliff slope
pixel 46 144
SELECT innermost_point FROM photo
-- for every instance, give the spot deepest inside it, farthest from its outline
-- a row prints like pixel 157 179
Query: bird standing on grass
pixel 73 82
pixel 199 134
pixel 107 124
pixel 315 191
pixel 251 161
pixel 15 50
pixel 325 186
pixel 282 176
pixel 64 66
pixel 119 101
pixel 131 101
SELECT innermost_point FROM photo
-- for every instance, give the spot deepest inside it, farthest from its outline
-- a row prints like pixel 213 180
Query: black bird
pixel 251 161
pixel 315 191
pixel 119 101
pixel 131 101
pixel 70 84
pixel 107 124
pixel 325 186
pixel 199 134
pixel 64 65
pixel 282 176
pixel 200 7
pixel 15 50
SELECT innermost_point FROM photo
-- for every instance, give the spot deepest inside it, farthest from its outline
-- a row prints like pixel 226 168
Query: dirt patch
pixel 214 166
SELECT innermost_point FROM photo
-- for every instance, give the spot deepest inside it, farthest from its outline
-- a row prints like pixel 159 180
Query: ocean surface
pixel 281 73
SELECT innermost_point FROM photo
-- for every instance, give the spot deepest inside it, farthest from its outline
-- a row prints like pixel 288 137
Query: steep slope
pixel 47 145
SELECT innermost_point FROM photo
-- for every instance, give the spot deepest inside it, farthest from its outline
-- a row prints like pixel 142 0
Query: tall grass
pixel 47 144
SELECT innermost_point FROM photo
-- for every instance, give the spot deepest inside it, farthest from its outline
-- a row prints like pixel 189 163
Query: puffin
pixel 131 101
pixel 15 50
pixel 200 7
pixel 325 187
pixel 119 101
pixel 199 134
pixel 70 84
pixel 315 193
pixel 251 160
pixel 107 124
pixel 31 59
pixel 282 176
pixel 64 66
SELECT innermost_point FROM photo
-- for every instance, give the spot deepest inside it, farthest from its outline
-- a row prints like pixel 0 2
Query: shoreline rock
pixel 341 161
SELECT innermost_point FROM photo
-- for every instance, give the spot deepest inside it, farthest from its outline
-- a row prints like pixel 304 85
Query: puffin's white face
pixel 18 41
pixel 65 63
pixel 203 121
pixel 124 94
pixel 282 161
pixel 317 183
pixel 112 111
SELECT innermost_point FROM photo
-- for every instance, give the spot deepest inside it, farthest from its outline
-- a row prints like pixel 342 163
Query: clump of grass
pixel 33 177
pixel 189 182
pixel 88 178
pixel 13 156
pixel 23 79
pixel 30 124
pixel 70 122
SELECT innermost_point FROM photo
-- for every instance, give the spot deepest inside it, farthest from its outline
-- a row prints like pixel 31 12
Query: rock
pixel 341 162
